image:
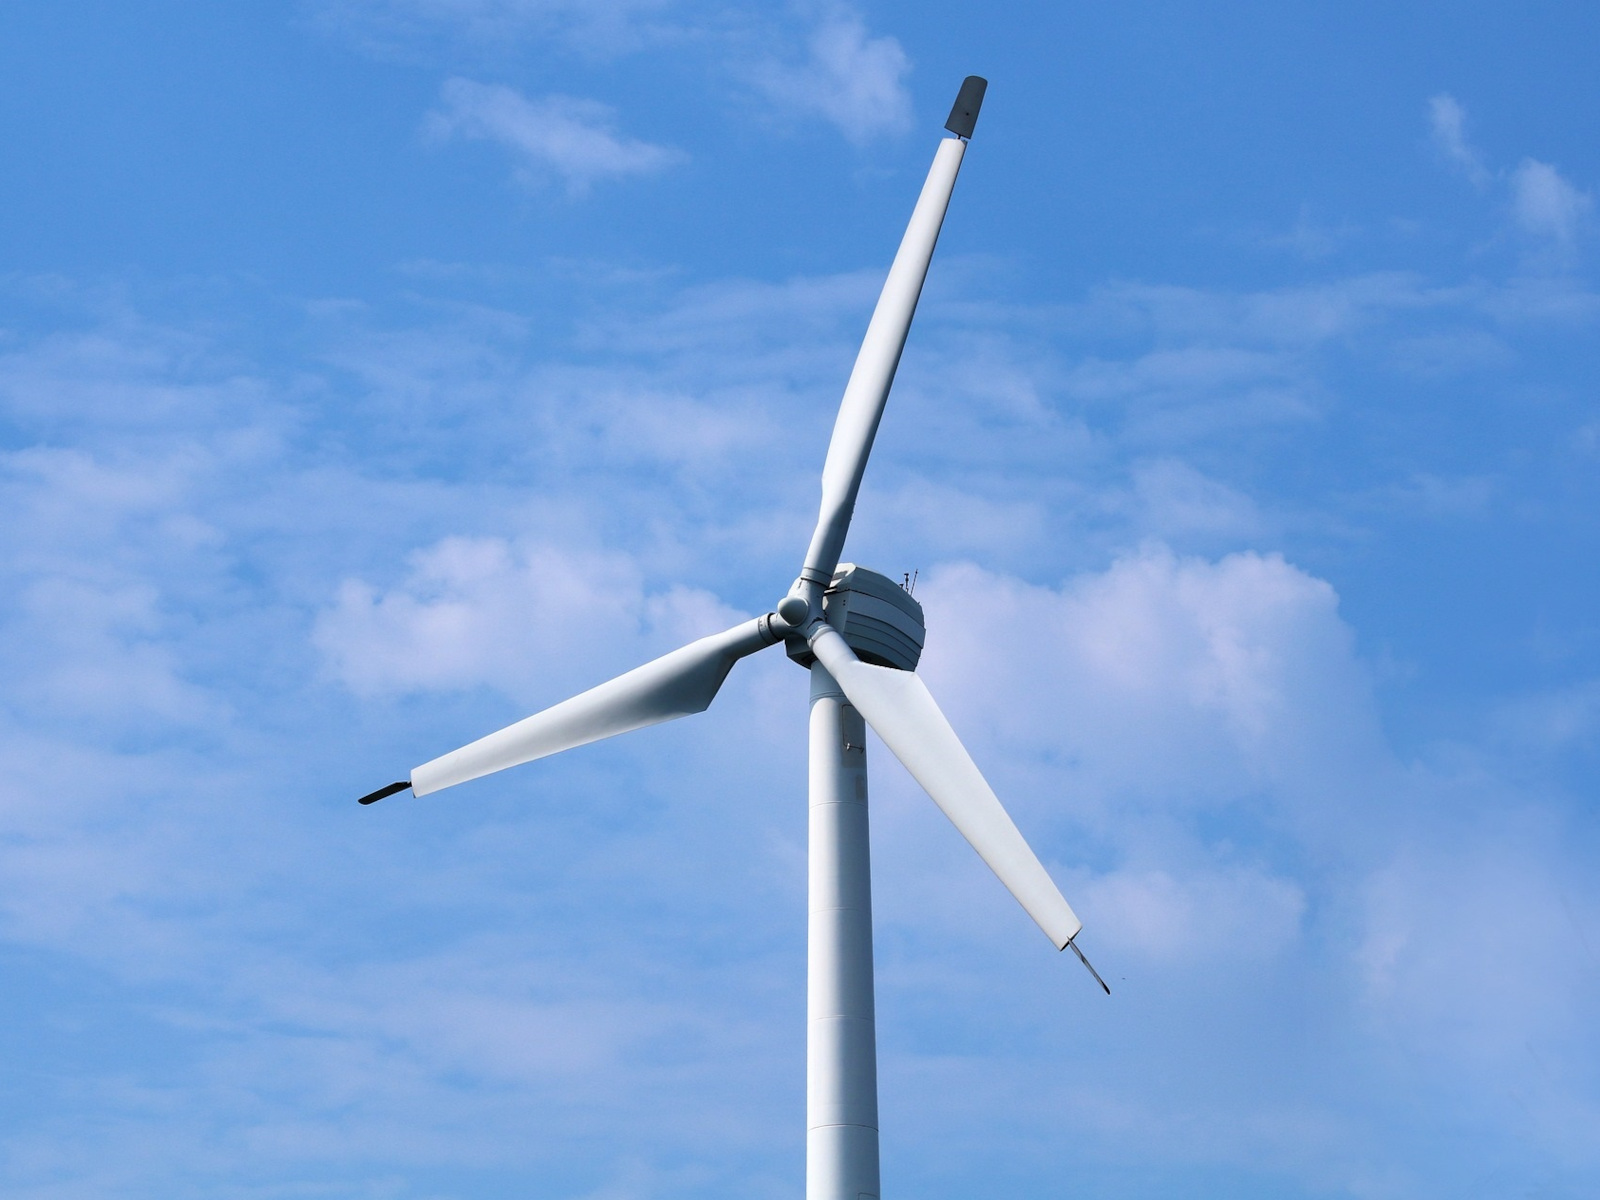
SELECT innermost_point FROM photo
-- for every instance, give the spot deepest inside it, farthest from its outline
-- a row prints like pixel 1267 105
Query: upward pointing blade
pixel 868 389
pixel 674 685
pixel 898 706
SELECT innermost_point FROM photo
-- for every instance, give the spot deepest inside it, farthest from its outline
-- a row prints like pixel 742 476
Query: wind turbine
pixel 861 635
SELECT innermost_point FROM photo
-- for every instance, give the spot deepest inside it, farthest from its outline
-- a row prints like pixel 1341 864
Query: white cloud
pixel 99 652
pixel 850 78
pixel 1201 914
pixel 1171 498
pixel 1545 204
pixel 1147 700
pixel 1174 681
pixel 528 620
pixel 571 139
pixel 1479 947
pixel 1442 355
pixel 956 520
pixel 1553 720
pixel 818 60
pixel 1310 238
pixel 1448 122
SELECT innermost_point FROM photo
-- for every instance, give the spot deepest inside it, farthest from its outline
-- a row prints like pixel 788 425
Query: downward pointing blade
pixel 900 709
pixel 870 379
pixel 674 685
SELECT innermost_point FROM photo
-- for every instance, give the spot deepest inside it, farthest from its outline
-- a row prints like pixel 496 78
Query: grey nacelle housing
pixel 880 620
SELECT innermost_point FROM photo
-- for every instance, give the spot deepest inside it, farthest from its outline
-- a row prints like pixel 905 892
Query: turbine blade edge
pixel 899 707
pixel 675 685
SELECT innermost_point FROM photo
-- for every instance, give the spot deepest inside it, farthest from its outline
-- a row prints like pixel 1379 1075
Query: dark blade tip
pixel 964 116
pixel 1074 945
pixel 374 797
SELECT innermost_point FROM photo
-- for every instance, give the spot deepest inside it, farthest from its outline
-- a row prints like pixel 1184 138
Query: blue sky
pixel 374 372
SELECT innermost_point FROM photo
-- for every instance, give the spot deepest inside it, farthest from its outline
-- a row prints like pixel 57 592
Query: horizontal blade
pixel 899 707
pixel 674 685
pixel 868 389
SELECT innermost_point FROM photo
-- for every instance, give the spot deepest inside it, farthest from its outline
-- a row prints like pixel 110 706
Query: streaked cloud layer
pixel 568 138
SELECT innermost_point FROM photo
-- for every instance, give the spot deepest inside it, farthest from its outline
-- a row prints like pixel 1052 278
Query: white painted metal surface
pixel 841 1045
pixel 901 711
pixel 868 389
pixel 674 685
pixel 880 620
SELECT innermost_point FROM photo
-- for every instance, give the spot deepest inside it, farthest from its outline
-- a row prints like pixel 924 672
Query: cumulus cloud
pixel 1174 681
pixel 527 620
pixel 1150 698
pixel 571 139
pixel 848 77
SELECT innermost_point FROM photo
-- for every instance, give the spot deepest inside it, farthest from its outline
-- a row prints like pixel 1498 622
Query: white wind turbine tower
pixel 861 635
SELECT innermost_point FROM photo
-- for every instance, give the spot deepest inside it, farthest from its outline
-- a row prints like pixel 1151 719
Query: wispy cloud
pixel 847 77
pixel 461 620
pixel 1547 205
pixel 1544 204
pixel 809 61
pixel 1448 121
pixel 570 139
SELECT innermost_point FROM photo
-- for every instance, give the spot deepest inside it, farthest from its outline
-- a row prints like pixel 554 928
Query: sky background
pixel 375 372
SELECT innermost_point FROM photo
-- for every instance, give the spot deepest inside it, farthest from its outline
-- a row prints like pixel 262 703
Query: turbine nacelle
pixel 878 618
